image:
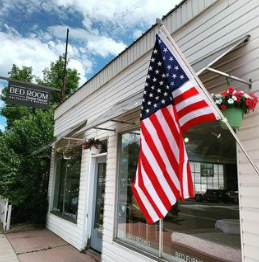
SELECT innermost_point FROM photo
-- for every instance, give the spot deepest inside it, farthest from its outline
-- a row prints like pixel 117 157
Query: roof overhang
pixel 135 101
pixel 206 63
pixel 67 134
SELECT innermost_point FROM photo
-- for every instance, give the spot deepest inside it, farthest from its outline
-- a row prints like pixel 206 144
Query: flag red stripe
pixel 155 182
pixel 180 146
pixel 165 142
pixel 160 161
pixel 171 123
pixel 198 120
pixel 192 107
pixel 181 151
pixel 171 157
pixel 190 183
pixel 181 162
pixel 141 205
pixel 187 94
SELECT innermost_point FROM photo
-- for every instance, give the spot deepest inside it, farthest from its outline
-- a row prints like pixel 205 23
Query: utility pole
pixel 65 71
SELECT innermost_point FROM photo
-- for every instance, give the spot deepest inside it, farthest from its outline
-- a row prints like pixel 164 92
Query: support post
pixel 231 76
pixel 65 71
pixel 29 84
pixel 9 213
pixel 5 215
pixel 160 251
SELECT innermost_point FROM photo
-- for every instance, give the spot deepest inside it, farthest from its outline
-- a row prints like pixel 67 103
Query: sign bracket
pixel 30 84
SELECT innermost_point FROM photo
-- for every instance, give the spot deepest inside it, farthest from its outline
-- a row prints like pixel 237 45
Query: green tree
pixel 23 178
pixel 11 111
pixel 24 74
pixel 54 76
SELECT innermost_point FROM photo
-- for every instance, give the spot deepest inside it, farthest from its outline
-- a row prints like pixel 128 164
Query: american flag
pixel 172 103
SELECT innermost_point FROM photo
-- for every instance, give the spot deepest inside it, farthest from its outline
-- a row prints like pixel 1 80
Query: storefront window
pixel 132 227
pixel 66 192
pixel 207 228
pixel 202 229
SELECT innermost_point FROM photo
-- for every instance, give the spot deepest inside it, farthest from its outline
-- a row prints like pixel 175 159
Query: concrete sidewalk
pixel 7 253
pixel 39 246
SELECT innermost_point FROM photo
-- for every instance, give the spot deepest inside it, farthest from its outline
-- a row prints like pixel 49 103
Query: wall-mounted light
pixel 217 135
pixel 186 139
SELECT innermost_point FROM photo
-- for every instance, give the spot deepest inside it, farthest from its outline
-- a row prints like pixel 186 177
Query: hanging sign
pixel 28 95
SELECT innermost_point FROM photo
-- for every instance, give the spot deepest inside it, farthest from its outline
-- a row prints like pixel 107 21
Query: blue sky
pixel 32 33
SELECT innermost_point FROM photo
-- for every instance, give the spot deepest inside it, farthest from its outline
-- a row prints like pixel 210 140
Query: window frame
pixel 118 154
pixel 63 214
pixel 115 230
pixel 164 256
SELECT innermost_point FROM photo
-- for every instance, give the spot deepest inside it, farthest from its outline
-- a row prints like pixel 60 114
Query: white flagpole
pixel 160 249
pixel 222 117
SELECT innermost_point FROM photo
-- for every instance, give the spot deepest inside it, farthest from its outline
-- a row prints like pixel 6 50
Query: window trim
pixel 115 229
pixel 119 135
pixel 164 256
pixel 51 209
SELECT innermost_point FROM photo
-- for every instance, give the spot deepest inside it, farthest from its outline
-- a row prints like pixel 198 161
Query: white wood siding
pixel 177 19
pixel 71 232
pixel 244 63
pixel 211 27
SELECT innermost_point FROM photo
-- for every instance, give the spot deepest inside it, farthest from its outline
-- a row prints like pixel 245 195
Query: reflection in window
pixel 207 228
pixel 67 186
pixel 100 191
pixel 202 229
pixel 132 227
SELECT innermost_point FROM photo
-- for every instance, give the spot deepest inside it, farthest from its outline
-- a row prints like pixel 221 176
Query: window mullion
pixel 64 192
pixel 160 250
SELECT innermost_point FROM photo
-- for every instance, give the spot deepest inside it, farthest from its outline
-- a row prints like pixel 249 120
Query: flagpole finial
pixel 159 22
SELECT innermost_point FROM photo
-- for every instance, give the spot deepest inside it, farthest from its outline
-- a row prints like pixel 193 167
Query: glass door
pixel 97 225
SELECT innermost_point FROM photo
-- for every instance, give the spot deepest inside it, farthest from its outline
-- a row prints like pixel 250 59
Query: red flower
pixel 240 99
pixel 248 102
pixel 254 97
pixel 223 107
pixel 224 93
pixel 231 89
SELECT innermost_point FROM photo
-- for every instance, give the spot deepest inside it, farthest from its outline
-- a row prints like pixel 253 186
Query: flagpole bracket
pixel 159 22
pixel 224 120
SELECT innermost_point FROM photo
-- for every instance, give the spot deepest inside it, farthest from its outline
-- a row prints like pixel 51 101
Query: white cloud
pixel 95 43
pixel 106 23
pixel 37 53
pixel 3 84
pixel 122 14
pixel 26 8
pixel 24 52
pixel 137 33
pixel 75 64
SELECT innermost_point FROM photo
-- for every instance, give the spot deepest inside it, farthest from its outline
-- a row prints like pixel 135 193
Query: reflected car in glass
pixel 216 195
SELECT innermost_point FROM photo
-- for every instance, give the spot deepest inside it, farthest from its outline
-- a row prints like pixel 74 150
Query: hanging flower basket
pixel 94 145
pixel 234 105
pixel 67 152
pixel 234 117
pixel 95 150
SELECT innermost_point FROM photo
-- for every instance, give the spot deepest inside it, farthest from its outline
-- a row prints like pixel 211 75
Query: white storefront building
pixel 91 203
